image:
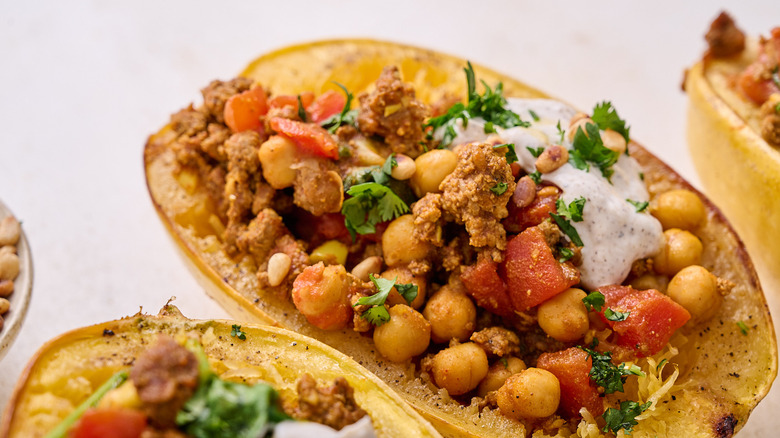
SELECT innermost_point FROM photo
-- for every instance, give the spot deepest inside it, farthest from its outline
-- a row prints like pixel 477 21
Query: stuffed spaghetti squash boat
pixel 734 130
pixel 170 376
pixel 509 265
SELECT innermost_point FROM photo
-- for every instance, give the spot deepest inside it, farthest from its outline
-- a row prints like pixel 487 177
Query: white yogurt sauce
pixel 305 429
pixel 613 234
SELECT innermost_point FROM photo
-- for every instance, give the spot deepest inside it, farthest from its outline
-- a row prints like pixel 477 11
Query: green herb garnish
pixel 301 110
pixel 370 204
pixel 236 332
pixel 561 132
pixel 661 364
pixel 608 375
pixel 594 301
pixel 624 417
pixel 588 148
pixel 742 327
pixel 533 115
pixel 511 155
pixel 572 212
pixel 639 206
pixel 566 254
pixel 499 188
pixel 378 313
pixel 614 315
pixel 606 117
pixel 536 176
pixel 490 106
pixel 345 117
pixel 535 151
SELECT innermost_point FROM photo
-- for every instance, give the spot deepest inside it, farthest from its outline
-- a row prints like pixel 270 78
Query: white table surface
pixel 85 82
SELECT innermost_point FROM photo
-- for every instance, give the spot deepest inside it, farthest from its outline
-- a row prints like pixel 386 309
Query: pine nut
pixel 4 306
pixel 405 168
pixel 371 265
pixel 613 141
pixel 552 158
pixel 278 267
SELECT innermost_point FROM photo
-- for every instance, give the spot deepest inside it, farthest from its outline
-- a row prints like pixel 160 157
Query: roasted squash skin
pixel 707 400
pixel 65 370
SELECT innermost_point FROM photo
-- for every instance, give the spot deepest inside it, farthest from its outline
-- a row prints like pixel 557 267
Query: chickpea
pixel 459 369
pixel 564 317
pixel 9 265
pixel 678 209
pixel 650 281
pixel 532 393
pixel 405 169
pixel 432 167
pixel 320 294
pixel 277 156
pixel 399 246
pixel 452 314
pixel 498 373
pixel 405 335
pixel 681 249
pixel 404 276
pixel 696 289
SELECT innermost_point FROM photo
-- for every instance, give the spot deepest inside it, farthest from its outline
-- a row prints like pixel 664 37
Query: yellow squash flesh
pixel 66 370
pixel 738 168
pixel 708 399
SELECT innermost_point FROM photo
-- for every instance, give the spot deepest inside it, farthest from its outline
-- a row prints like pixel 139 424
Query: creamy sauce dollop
pixel 363 428
pixel 613 233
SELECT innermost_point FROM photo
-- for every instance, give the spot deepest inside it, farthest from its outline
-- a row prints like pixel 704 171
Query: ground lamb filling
pixel 453 237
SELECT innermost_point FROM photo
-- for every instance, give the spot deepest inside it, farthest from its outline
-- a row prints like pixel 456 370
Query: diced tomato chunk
pixel 110 422
pixel 284 100
pixel 571 367
pixel 309 136
pixel 327 104
pixel 530 215
pixel 487 288
pixel 243 110
pixel 755 88
pixel 533 275
pixel 652 320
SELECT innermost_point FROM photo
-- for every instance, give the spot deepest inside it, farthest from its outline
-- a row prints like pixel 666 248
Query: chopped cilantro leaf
pixel 499 188
pixel 378 313
pixel 606 117
pixel 561 132
pixel 589 148
pixel 642 176
pixel 594 301
pixel 742 327
pixel 536 176
pixel 571 212
pixel 623 418
pixel 390 163
pixel 566 254
pixel 533 115
pixel 511 155
pixel 370 204
pixel 490 106
pixel 301 110
pixel 535 151
pixel 504 362
pixel 345 117
pixel 608 375
pixel 614 315
pixel 236 332
pixel 639 206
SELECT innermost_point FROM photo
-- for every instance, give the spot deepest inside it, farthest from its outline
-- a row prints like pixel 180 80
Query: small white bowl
pixel 20 298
